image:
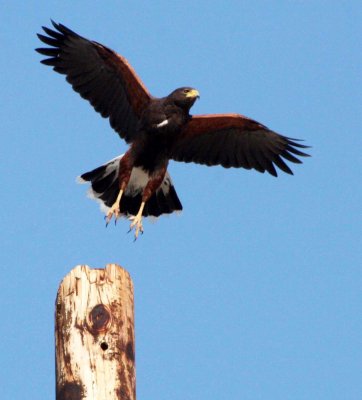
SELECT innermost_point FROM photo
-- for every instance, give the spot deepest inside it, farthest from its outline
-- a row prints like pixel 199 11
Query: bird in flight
pixel 136 184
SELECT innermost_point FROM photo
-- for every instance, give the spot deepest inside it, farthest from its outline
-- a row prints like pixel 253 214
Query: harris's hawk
pixel 137 183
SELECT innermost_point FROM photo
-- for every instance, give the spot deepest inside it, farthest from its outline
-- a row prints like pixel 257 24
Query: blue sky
pixel 254 291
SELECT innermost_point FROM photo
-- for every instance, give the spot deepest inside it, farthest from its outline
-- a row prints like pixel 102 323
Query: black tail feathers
pixel 104 189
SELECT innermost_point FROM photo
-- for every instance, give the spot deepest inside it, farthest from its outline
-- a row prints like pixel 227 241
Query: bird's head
pixel 184 97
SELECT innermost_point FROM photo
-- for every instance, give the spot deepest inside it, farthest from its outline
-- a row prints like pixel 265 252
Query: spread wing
pixel 99 75
pixel 232 140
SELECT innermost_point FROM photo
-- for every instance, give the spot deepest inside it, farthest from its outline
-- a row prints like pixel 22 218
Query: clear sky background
pixel 254 291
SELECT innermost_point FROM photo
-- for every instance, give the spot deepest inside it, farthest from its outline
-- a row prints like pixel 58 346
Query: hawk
pixel 136 184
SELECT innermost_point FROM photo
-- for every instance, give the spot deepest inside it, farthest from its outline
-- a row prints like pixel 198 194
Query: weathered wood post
pixel 94 335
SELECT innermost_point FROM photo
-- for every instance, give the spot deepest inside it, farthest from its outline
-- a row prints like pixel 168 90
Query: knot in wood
pixel 99 319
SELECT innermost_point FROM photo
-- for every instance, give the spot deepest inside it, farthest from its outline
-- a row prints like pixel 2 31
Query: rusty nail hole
pixel 104 346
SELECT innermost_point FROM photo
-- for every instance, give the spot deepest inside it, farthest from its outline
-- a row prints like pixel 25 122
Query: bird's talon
pixel 136 223
pixel 114 211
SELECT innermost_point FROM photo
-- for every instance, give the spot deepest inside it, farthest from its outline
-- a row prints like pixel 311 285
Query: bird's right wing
pixel 232 140
pixel 99 75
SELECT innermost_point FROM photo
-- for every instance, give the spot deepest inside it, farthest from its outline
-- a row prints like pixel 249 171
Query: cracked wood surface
pixel 94 335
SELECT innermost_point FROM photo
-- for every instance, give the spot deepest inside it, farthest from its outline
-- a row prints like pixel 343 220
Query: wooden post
pixel 94 335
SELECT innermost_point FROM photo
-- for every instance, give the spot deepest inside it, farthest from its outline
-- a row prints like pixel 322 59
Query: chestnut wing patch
pixel 99 75
pixel 232 140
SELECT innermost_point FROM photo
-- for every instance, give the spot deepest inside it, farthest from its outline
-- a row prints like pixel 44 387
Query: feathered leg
pixel 125 170
pixel 152 185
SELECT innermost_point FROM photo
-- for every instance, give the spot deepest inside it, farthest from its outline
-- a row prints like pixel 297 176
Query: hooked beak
pixel 193 94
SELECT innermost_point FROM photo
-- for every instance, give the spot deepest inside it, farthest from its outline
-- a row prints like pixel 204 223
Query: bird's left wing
pixel 99 75
pixel 232 140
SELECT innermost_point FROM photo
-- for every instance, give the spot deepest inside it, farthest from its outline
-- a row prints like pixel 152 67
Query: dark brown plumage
pixel 157 129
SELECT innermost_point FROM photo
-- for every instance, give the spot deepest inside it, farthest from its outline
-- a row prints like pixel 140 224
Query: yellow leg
pixel 137 221
pixel 114 209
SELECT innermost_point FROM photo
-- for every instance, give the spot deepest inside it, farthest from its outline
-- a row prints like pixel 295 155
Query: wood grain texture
pixel 94 335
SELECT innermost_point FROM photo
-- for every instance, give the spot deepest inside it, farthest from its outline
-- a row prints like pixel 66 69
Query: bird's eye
pixel 186 90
